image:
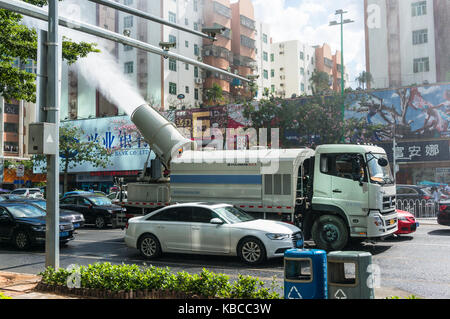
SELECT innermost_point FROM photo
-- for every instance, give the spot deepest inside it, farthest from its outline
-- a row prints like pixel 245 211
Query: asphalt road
pixel 417 263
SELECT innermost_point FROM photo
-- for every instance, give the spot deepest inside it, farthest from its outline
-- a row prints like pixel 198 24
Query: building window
pixel 11 147
pixel 195 26
pixel 196 94
pixel 264 38
pixel 222 10
pixel 266 74
pixel 421 65
pixel 302 87
pixel 11 108
pixel 247 22
pixel 186 89
pixel 195 5
pixel 186 44
pixel 172 17
pixel 272 57
pixel 172 65
pixel 172 39
pixel 196 50
pixel 128 2
pixel 272 88
pixel 272 73
pixel 302 71
pixel 265 56
pixel 420 36
pixel 127 47
pixel 196 71
pixel 302 56
pixel 186 66
pixel 172 88
pixel 128 67
pixel 128 22
pixel 247 42
pixel 419 8
pixel 11 127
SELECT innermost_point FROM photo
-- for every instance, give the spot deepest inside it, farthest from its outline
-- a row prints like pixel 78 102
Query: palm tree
pixel 214 93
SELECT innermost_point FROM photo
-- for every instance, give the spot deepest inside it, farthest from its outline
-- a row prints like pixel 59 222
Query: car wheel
pixel 21 240
pixel 149 246
pixel 252 251
pixel 330 233
pixel 100 222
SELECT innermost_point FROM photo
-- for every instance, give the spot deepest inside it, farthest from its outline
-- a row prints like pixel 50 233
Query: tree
pixel 75 151
pixel 364 80
pixel 320 82
pixel 19 43
pixel 214 94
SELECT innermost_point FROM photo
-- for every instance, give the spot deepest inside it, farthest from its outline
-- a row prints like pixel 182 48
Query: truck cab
pixel 353 195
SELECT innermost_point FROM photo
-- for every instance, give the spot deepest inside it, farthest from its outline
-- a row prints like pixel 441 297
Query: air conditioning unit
pixel 198 81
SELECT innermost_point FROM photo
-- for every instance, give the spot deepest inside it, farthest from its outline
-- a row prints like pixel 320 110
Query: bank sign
pixel 120 136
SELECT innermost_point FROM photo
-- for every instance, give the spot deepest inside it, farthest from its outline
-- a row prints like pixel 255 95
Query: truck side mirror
pixel 382 162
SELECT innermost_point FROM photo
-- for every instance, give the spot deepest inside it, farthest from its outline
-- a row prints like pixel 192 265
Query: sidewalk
pixel 21 286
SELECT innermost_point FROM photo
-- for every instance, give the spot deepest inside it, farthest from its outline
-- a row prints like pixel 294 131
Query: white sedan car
pixel 215 229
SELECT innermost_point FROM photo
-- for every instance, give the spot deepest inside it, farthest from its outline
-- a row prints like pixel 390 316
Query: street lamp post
pixel 341 23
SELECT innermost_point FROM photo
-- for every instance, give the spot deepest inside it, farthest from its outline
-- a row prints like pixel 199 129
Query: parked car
pixel 96 209
pixel 443 216
pixel 28 192
pixel 4 197
pixel 24 225
pixel 406 223
pixel 77 219
pixel 413 192
pixel 76 192
pixel 216 229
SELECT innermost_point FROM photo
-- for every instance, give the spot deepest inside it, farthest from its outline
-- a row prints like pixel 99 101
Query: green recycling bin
pixel 350 275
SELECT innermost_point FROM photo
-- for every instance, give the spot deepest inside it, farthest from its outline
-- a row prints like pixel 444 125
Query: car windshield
pixel 379 174
pixel 27 211
pixel 19 191
pixel 41 203
pixel 100 200
pixel 233 214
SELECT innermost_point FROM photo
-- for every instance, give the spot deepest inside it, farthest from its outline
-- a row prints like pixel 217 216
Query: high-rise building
pixel 407 41
pixel 292 64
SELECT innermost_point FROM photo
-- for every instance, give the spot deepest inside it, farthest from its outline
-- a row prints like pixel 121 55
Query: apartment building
pixel 292 64
pixel 263 53
pixel 330 63
pixel 407 41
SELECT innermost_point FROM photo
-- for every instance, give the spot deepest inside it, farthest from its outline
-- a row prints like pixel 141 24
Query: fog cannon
pixel 162 135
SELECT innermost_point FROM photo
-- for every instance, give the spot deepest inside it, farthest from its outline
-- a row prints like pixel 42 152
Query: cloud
pixel 308 22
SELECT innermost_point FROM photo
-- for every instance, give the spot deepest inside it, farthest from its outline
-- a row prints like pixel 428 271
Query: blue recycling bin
pixel 305 274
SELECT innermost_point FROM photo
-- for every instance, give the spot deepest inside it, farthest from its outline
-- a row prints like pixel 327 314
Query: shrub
pixel 132 277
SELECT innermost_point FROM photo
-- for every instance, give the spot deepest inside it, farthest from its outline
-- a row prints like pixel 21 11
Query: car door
pixel 6 224
pixel 207 237
pixel 69 203
pixel 85 207
pixel 173 229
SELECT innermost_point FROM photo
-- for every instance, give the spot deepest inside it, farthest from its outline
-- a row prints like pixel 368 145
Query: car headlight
pixel 39 228
pixel 278 236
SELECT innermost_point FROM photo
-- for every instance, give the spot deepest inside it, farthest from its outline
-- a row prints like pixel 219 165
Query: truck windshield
pixel 378 174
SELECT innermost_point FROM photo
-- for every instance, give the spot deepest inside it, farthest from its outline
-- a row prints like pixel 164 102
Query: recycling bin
pixel 305 274
pixel 350 275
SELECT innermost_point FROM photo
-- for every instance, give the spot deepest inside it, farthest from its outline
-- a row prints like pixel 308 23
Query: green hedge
pixel 132 277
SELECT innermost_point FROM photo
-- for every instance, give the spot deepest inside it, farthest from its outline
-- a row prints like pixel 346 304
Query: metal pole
pixel 41 14
pixel 145 15
pixel 342 76
pixel 52 112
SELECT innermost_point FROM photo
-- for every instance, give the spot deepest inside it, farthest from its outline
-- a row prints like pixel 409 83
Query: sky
pixel 308 21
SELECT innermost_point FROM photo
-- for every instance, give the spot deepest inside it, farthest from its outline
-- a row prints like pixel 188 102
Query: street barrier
pixel 350 275
pixel 305 274
pixel 419 208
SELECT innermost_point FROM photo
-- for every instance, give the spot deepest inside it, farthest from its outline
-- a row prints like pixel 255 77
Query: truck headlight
pixel 378 221
pixel 278 236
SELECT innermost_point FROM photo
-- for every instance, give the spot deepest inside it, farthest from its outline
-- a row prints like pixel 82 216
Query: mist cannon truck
pixel 335 193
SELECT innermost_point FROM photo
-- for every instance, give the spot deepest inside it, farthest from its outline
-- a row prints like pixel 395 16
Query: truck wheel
pixel 149 246
pixel 330 233
pixel 251 251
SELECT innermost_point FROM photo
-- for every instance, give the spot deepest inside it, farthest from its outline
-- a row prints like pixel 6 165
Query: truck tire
pixel 149 246
pixel 251 251
pixel 330 233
